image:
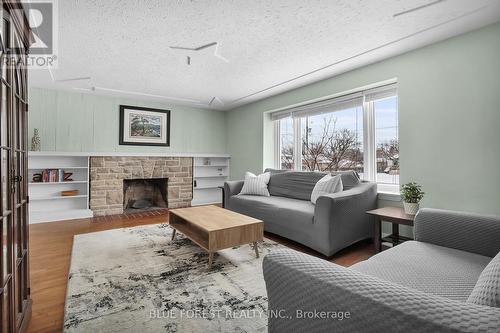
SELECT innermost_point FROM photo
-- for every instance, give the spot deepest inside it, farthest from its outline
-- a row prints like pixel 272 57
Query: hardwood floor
pixel 50 254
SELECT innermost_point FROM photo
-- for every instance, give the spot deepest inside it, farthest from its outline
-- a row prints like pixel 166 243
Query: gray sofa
pixel 418 286
pixel 335 222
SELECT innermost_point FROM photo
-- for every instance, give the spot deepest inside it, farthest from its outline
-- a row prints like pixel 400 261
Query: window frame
pixel 369 142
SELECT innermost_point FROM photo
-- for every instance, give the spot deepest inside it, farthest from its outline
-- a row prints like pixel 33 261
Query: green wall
pixel 78 122
pixel 449 119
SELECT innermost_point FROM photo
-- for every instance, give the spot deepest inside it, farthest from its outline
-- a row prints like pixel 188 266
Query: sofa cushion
pixel 275 171
pixel 294 184
pixel 279 210
pixel 299 184
pixel 350 178
pixel 429 268
pixel 487 289
pixel 256 185
pixel 326 185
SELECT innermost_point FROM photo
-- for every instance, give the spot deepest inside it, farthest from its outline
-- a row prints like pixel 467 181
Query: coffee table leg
pixel 210 259
pixel 256 249
pixel 173 234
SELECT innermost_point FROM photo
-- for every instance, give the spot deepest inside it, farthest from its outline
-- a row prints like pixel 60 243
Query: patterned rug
pixel 138 280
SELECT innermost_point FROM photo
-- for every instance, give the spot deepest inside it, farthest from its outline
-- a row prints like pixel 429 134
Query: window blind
pixel 380 92
pixel 281 114
pixel 332 105
pixel 336 104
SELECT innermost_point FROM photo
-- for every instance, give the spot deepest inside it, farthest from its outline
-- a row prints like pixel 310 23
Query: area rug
pixel 139 280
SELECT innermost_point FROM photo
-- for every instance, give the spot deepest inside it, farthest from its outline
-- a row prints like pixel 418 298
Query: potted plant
pixel 411 194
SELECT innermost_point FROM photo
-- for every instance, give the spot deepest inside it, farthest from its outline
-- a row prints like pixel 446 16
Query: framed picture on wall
pixel 144 126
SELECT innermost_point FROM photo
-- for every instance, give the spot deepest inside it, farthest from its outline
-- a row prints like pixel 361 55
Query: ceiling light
pixel 191 51
pixel 215 100
pixel 199 48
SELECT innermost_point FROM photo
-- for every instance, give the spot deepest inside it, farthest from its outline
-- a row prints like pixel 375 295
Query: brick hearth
pixel 107 175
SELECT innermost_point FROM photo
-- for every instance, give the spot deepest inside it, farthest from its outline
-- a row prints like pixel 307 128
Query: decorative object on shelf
pixel 144 126
pixel 35 141
pixel 52 175
pixel 69 193
pixel 206 161
pixel 411 193
pixel 67 176
pixel 37 178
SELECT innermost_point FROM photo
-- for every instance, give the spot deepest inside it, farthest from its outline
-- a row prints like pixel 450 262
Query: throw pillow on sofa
pixel 326 185
pixel 487 289
pixel 256 185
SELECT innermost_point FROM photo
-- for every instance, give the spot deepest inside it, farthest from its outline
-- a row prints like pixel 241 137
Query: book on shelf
pixel 53 176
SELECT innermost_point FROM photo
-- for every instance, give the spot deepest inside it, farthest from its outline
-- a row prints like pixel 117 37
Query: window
pixel 332 135
pixel 286 144
pixel 386 140
pixel 333 141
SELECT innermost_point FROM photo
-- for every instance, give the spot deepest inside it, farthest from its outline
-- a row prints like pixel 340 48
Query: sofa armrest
pixel 232 188
pixel 342 215
pixel 458 230
pixel 365 191
pixel 299 284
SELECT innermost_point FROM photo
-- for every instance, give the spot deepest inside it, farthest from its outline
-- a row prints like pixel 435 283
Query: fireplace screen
pixel 143 194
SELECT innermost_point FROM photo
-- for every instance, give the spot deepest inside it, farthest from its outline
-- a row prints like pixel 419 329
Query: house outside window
pixel 358 131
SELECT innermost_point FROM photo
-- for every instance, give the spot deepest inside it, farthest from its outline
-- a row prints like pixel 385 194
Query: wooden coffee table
pixel 214 228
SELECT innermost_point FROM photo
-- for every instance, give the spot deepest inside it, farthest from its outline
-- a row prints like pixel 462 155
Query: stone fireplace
pixel 144 194
pixel 156 178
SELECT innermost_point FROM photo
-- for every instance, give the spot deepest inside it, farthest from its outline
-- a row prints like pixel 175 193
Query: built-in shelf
pixel 210 171
pixel 60 183
pixel 219 176
pixel 59 167
pixel 206 187
pixel 53 197
pixel 48 216
pixel 209 174
pixel 46 203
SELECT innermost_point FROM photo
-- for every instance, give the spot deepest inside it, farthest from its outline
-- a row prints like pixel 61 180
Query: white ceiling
pixel 263 47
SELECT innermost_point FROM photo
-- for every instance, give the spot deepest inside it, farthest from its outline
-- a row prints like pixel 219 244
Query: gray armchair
pixel 418 286
pixel 335 222
pixel 468 232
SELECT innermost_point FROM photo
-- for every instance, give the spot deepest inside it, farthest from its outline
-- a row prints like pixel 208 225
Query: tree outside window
pixel 334 141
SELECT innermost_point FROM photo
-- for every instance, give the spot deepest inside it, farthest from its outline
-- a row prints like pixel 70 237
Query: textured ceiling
pixel 253 49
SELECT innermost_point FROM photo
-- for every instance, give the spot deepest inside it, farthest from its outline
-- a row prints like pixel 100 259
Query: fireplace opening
pixel 145 194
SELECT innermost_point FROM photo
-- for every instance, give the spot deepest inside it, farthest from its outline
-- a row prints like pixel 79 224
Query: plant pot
pixel 410 208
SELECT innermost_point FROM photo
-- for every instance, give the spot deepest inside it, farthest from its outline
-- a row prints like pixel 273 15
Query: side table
pixel 394 215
